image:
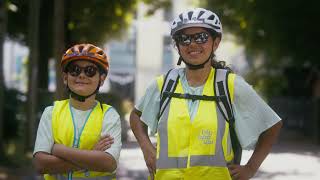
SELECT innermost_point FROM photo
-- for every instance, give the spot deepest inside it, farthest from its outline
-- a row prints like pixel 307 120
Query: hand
pixel 104 143
pixel 150 159
pixel 239 172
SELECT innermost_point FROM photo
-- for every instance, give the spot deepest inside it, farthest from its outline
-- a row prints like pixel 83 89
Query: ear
pixel 65 78
pixel 102 79
pixel 216 43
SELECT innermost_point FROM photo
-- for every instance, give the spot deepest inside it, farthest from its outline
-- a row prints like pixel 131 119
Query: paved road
pixel 292 158
pixel 131 163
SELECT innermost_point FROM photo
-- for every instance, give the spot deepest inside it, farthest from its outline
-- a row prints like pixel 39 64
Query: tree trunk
pixel 45 42
pixel 2 85
pixel 33 43
pixel 58 44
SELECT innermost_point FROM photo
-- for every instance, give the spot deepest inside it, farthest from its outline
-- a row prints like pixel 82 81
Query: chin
pixel 82 92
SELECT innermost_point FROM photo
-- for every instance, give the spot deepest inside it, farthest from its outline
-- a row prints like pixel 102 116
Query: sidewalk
pixel 292 158
pixel 131 163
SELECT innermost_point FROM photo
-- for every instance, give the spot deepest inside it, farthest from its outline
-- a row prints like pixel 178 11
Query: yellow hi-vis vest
pixel 63 130
pixel 199 149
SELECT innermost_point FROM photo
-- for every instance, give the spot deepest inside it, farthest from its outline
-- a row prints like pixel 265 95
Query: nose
pixel 193 42
pixel 82 74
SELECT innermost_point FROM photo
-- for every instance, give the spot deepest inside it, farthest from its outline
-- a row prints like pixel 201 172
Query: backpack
pixel 222 98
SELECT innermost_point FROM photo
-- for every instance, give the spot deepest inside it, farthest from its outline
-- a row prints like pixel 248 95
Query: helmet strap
pixel 197 66
pixel 180 60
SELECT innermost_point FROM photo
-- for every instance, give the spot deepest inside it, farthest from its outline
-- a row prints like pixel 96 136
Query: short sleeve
pixel 112 126
pixel 44 140
pixel 149 106
pixel 252 114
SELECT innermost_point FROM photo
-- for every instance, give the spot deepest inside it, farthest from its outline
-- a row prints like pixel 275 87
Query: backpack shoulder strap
pixel 222 90
pixel 224 105
pixel 169 85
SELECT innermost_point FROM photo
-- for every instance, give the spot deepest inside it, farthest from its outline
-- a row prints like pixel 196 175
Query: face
pixel 196 45
pixel 83 77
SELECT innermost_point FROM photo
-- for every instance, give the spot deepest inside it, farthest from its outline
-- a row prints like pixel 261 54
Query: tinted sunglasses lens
pixel 74 70
pixel 201 38
pixel 185 39
pixel 198 38
pixel 90 71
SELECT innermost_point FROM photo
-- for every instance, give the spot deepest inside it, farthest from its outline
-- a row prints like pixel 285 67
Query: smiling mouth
pixel 81 83
pixel 194 52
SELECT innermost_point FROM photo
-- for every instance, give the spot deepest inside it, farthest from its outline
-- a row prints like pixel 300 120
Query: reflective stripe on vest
pixel 222 143
pixel 63 130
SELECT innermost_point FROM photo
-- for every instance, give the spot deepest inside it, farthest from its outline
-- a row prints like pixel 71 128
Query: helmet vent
pixel 181 18
pixel 80 49
pixel 190 14
pixel 197 17
pixel 90 48
pixel 200 14
pixel 86 52
pixel 100 53
pixel 211 17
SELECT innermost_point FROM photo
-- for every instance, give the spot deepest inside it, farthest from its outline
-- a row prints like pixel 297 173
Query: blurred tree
pixel 284 32
pixel 58 24
pixel 33 73
pixel 93 22
pixel 59 43
pixel 17 20
pixel 2 87
pixel 154 5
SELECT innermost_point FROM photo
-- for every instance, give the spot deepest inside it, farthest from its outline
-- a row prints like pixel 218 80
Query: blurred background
pixel 273 44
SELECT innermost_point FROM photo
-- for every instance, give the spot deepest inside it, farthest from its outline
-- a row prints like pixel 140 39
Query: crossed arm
pixel 64 159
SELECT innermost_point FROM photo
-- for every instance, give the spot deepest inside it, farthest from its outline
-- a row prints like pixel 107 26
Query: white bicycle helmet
pixel 197 17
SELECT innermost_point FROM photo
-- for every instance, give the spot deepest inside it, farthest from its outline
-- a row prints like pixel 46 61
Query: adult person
pixel 193 132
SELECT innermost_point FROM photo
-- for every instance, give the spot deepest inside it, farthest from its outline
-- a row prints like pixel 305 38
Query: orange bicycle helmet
pixel 85 52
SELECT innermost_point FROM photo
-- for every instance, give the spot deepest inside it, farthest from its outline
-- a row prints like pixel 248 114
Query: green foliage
pixel 267 84
pixel 17 13
pixel 98 20
pixel 156 4
pixel 278 28
pixel 285 32
pixel 94 22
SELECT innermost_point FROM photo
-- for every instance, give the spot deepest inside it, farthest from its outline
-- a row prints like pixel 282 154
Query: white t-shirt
pixel 252 115
pixel 111 125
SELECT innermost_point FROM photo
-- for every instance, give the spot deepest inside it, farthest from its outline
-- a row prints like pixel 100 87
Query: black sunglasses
pixel 75 70
pixel 186 39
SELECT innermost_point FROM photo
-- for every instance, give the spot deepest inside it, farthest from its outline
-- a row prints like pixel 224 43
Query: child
pixel 79 137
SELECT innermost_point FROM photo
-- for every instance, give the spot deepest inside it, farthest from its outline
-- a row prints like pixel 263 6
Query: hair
pixel 214 62
pixel 220 64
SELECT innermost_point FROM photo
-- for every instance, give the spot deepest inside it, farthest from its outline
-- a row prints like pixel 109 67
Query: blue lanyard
pixel 76 141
